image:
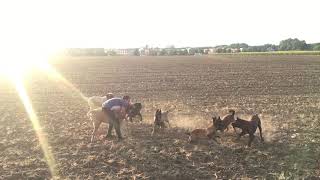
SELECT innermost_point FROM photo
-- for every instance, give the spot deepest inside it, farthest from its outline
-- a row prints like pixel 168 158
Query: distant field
pixel 274 53
pixel 284 90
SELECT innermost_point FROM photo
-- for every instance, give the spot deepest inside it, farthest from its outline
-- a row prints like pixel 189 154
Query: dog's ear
pixel 213 117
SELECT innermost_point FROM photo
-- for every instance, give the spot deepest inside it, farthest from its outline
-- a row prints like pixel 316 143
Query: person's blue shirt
pixel 115 102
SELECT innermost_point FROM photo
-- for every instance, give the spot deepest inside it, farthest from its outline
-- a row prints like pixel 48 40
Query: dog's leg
pixel 234 129
pixel 260 130
pixel 96 125
pixel 169 124
pixel 191 140
pixel 214 138
pixel 251 137
pixel 163 125
pixel 139 114
pixel 154 129
pixel 129 117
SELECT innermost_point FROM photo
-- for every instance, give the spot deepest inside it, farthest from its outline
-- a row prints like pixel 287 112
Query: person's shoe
pixel 120 139
pixel 108 136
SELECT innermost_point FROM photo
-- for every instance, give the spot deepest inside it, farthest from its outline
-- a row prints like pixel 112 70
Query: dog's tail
pixel 89 113
pixel 232 112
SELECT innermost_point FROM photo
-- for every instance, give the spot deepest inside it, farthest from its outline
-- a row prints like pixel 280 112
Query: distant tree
pixel 238 45
pixel 153 52
pixel 221 50
pixel 172 51
pixel 270 47
pixel 316 47
pixel 292 44
pixel 197 50
pixel 136 52
pixel 192 51
pixel 163 52
pixel 182 52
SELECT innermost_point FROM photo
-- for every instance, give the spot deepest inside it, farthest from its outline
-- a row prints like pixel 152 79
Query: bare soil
pixel 284 90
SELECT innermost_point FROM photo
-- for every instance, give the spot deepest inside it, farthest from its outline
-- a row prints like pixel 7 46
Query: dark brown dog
pixel 226 121
pixel 249 127
pixel 135 110
pixel 159 121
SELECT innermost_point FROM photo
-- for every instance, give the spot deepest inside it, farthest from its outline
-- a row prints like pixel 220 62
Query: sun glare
pixel 14 66
pixel 35 124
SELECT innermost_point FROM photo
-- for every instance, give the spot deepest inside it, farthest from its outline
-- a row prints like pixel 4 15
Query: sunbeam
pixel 56 76
pixel 36 125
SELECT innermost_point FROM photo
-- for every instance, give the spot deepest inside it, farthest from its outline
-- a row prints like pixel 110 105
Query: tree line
pixel 284 45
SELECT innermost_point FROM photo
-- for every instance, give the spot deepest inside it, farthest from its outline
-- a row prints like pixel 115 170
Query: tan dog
pixel 97 116
pixel 204 134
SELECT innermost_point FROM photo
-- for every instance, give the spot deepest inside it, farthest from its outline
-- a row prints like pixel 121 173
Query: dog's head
pixel 134 109
pixel 217 122
pixel 137 107
pixel 232 112
pixel 255 117
pixel 157 116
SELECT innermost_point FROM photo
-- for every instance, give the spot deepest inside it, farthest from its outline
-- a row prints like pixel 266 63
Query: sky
pixel 135 23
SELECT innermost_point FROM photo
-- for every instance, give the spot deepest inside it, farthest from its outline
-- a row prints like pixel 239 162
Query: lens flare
pixel 54 75
pixel 14 67
pixel 36 125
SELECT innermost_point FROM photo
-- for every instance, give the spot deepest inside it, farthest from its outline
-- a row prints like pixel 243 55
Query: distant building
pixel 235 50
pixel 120 52
pixel 212 51
pixel 125 52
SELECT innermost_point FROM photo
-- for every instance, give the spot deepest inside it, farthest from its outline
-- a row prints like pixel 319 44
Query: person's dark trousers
pixel 113 121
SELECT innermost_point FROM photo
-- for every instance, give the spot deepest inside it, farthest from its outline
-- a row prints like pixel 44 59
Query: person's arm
pixel 120 113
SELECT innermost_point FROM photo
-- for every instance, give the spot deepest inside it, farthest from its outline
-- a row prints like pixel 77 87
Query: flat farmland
pixel 283 90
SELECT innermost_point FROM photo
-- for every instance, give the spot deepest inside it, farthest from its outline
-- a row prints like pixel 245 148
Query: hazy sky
pixel 134 23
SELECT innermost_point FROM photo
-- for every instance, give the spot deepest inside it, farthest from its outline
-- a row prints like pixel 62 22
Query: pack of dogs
pixel 161 122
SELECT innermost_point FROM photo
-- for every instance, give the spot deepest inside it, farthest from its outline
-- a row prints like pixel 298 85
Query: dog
pixel 135 110
pixel 96 101
pixel 97 116
pixel 159 121
pixel 206 134
pixel 226 121
pixel 249 127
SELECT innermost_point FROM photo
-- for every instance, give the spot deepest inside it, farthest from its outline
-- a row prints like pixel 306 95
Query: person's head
pixel 109 96
pixel 126 98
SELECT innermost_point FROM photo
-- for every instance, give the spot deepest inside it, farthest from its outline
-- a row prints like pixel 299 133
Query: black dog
pixel 249 127
pixel 134 111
